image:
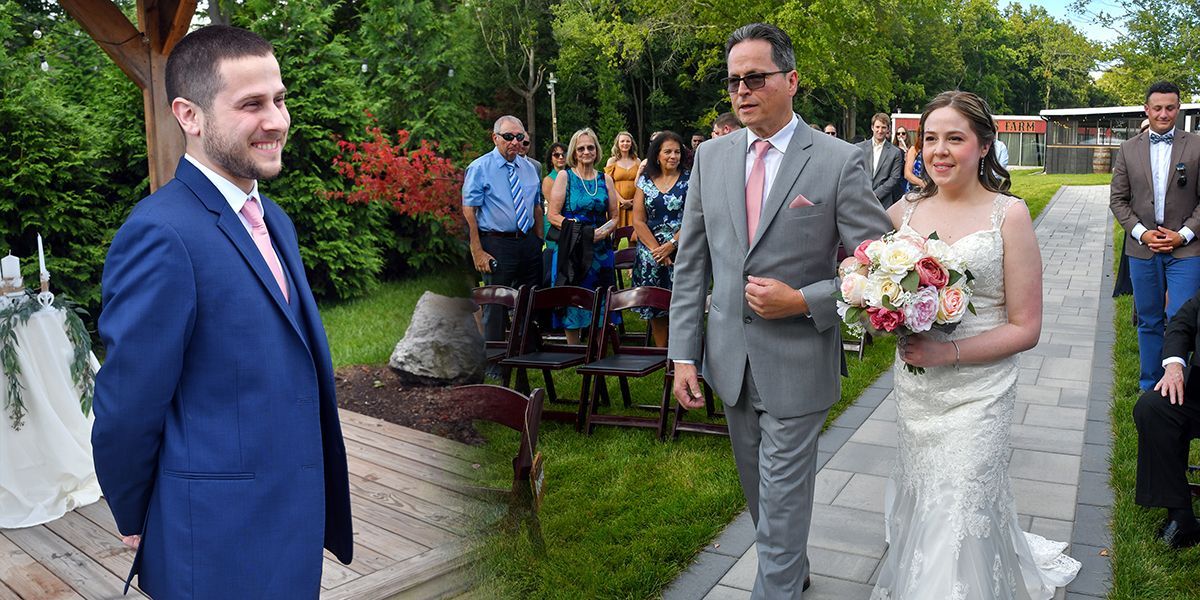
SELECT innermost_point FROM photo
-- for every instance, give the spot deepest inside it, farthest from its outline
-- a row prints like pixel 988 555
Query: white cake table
pixel 46 467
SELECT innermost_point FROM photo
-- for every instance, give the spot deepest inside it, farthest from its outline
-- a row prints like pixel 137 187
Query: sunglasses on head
pixel 508 137
pixel 1181 174
pixel 753 81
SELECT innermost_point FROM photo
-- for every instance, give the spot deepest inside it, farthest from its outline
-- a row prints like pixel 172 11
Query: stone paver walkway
pixel 1060 437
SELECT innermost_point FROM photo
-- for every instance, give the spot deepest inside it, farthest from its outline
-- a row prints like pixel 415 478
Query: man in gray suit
pixel 767 206
pixel 885 162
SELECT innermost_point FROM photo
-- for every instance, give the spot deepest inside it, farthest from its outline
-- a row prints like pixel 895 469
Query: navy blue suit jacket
pixel 217 435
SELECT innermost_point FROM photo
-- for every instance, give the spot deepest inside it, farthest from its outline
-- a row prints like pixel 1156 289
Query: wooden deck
pixel 412 535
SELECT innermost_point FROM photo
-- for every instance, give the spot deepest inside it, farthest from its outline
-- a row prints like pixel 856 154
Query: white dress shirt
pixel 1160 174
pixel 876 150
pixel 774 157
pixel 232 193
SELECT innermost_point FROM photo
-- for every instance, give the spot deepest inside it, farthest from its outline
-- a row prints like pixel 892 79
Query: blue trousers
pixel 1152 278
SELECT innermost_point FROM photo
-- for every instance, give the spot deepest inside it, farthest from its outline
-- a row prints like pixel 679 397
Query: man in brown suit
pixel 1154 197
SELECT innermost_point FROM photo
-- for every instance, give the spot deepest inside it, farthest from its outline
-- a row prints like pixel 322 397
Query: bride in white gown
pixel 950 516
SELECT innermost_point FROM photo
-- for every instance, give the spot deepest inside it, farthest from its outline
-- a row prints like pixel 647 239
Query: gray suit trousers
pixel 777 464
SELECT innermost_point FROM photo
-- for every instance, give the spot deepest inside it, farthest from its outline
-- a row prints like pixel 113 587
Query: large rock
pixel 442 346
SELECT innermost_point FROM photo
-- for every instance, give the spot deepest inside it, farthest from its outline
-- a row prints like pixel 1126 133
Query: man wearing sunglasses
pixel 766 208
pixel 1154 197
pixel 523 152
pixel 502 203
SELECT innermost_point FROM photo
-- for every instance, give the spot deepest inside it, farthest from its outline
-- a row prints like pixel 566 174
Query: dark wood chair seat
pixel 615 357
pixel 555 361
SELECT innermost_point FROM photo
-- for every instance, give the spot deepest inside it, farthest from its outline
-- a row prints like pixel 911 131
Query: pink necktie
pixel 262 238
pixel 754 187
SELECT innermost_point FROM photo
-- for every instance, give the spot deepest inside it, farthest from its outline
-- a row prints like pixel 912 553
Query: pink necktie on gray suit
pixel 262 238
pixel 754 188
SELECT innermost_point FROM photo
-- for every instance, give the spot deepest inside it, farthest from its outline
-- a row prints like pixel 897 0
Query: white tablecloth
pixel 46 468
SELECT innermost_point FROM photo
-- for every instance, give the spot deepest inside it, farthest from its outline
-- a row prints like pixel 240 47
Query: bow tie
pixel 1166 138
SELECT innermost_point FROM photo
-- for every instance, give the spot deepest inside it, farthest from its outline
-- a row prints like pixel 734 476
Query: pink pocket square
pixel 800 201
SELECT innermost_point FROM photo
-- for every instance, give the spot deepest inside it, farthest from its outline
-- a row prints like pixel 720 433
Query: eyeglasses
pixel 508 137
pixel 557 155
pixel 831 132
pixel 1180 174
pixel 525 143
pixel 753 81
pixel 585 148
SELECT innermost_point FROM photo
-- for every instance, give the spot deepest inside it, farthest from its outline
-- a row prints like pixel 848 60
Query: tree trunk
pixel 215 15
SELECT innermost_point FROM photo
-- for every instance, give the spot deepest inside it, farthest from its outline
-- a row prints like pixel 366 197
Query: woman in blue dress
pixel 588 196
pixel 914 167
pixel 657 216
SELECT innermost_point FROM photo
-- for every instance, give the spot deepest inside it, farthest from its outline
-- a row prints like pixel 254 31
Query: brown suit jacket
pixel 1131 196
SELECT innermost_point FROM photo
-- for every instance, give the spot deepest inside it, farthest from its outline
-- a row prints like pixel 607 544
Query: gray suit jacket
pixel 795 360
pixel 1131 195
pixel 888 180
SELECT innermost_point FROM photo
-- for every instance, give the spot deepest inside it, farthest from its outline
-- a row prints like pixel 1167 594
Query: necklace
pixel 583 182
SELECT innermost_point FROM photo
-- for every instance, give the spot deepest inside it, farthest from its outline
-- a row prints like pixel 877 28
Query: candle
pixel 42 258
pixel 11 266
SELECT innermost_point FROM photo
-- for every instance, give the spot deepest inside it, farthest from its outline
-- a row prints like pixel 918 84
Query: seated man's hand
pixel 132 540
pixel 1171 384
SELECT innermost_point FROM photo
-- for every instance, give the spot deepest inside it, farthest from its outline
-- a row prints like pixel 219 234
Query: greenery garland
pixel 81 369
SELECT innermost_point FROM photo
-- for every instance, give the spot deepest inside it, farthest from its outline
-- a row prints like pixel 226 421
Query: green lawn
pixel 1037 188
pixel 1143 567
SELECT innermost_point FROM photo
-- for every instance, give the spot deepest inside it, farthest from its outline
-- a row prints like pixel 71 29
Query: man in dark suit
pixel 1168 418
pixel 217 441
pixel 1154 197
pixel 885 162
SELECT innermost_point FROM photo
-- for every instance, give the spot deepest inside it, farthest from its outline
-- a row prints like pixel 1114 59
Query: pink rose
pixel 932 272
pixel 884 319
pixel 851 265
pixel 952 305
pixel 852 288
pixel 861 252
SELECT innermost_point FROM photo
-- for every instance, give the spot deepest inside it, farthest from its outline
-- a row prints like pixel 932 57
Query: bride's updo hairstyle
pixel 991 175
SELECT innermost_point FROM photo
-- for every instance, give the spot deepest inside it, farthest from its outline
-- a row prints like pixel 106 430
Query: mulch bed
pixel 378 392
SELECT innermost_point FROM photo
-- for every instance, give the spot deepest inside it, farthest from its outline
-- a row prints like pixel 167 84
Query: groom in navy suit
pixel 217 441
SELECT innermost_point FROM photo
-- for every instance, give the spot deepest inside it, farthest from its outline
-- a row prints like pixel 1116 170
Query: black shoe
pixel 807 584
pixel 1175 536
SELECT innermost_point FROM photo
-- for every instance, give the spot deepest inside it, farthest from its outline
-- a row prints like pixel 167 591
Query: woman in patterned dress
pixel 657 215
pixel 588 196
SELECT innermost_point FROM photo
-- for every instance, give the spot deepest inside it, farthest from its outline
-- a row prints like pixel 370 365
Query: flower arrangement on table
pixel 904 284
pixel 17 305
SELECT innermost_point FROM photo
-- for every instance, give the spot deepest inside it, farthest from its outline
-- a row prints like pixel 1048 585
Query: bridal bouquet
pixel 904 284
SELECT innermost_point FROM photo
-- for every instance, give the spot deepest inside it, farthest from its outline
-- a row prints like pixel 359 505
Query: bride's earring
pixel 981 167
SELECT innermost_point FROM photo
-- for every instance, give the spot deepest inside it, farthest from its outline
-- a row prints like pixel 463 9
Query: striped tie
pixel 524 222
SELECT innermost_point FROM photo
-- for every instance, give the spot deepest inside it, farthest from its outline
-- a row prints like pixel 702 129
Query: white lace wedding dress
pixel 950 516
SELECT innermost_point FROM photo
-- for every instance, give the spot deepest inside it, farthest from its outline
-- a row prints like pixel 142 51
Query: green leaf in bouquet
pixel 854 314
pixel 934 236
pixel 910 281
pixel 887 303
pixel 971 307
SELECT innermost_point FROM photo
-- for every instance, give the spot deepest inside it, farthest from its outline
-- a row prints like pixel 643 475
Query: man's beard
pixel 236 164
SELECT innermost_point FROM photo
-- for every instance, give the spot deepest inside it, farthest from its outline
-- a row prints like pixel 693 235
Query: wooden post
pixel 141 52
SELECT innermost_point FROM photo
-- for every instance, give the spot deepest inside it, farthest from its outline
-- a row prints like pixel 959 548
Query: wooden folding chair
pixel 504 297
pixel 523 414
pixel 615 357
pixel 710 407
pixel 623 258
pixel 536 351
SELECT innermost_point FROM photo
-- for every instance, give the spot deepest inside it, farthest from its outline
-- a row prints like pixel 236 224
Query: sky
pixel 1060 9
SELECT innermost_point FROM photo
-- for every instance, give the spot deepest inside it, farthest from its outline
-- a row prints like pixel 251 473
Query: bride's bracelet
pixel 957 354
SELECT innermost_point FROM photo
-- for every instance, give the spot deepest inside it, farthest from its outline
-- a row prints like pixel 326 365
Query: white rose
pixel 875 250
pixel 945 254
pixel 899 258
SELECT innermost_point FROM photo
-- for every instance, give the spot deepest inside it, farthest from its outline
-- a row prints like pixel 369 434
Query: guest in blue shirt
pixel 502 203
